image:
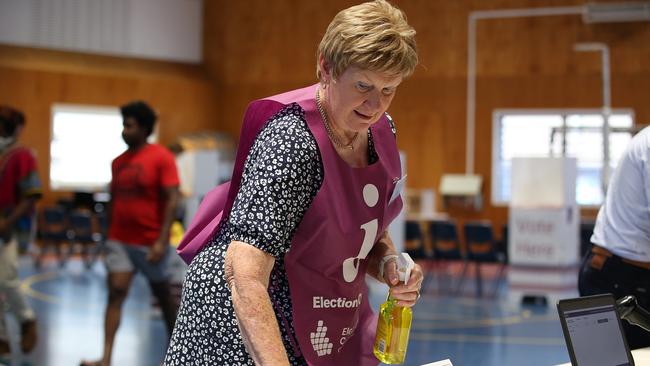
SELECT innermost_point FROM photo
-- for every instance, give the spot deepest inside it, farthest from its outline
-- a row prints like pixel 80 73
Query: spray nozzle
pixel 404 266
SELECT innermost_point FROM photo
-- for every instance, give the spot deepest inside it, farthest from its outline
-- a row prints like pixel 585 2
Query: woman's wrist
pixel 385 259
pixel 381 254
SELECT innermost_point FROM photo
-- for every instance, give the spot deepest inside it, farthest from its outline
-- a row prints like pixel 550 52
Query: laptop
pixel 593 332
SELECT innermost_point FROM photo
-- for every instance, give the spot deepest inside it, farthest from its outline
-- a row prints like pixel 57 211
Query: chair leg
pixel 440 269
pixel 459 285
pixel 426 272
pixel 86 255
pixel 479 280
pixel 97 250
pixel 502 268
pixel 443 271
pixel 435 276
pixel 39 254
pixel 62 254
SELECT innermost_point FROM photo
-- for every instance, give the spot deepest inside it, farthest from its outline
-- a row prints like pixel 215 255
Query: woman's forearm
pixel 258 325
pixel 247 271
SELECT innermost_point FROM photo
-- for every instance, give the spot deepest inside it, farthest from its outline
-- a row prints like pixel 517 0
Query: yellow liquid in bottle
pixel 393 328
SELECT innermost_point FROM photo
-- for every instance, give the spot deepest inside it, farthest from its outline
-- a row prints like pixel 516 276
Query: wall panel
pixel 253 50
pixel 33 80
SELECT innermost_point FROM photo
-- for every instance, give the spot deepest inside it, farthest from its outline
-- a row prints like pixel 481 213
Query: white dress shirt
pixel 623 223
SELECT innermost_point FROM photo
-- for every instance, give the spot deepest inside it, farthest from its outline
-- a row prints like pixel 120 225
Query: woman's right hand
pixel 406 294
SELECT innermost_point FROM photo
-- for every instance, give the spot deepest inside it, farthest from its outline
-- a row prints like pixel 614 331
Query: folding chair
pixel 53 231
pixel 447 247
pixel 481 248
pixel 84 234
pixel 414 246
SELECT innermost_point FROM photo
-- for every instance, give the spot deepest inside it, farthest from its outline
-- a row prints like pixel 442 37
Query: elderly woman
pixel 315 186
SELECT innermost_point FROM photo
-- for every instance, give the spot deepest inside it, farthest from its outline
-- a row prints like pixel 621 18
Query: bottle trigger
pixel 404 267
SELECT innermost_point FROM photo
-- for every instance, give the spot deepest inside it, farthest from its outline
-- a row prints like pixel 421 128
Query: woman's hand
pixel 406 294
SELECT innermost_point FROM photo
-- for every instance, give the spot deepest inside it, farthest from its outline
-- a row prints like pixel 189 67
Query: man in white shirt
pixel 619 260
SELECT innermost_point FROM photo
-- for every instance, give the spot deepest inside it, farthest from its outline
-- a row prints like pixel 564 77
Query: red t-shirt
pixel 18 178
pixel 137 198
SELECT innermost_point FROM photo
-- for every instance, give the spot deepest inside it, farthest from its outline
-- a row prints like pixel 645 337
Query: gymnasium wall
pixel 253 49
pixel 33 79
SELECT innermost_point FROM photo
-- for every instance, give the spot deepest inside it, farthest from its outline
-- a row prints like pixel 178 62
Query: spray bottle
pixel 394 324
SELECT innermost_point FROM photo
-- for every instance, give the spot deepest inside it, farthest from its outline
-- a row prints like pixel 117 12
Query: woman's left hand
pixel 406 294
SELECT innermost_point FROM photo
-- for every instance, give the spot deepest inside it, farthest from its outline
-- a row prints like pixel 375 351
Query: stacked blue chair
pixel 414 246
pixel 447 247
pixel 481 248
pixel 53 232
pixel 84 233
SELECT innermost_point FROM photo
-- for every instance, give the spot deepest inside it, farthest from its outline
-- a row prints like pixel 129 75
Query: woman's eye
pixel 363 87
pixel 388 91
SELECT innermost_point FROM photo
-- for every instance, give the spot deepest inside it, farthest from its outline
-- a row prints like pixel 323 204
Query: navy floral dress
pixel 281 177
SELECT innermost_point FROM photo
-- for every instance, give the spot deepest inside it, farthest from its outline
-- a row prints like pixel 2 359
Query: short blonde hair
pixel 373 36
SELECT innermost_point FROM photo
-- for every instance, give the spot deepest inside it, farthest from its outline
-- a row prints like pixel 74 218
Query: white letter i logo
pixel 351 265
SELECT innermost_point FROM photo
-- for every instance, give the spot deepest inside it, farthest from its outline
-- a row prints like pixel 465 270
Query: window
pixel 557 133
pixel 85 140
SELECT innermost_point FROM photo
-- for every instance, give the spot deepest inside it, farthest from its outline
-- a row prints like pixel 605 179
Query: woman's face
pixel 358 97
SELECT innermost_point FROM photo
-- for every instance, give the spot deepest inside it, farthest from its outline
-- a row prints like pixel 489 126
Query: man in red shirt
pixel 144 194
pixel 19 190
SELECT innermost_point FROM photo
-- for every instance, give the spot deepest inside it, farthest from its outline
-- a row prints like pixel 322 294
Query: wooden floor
pixel 471 331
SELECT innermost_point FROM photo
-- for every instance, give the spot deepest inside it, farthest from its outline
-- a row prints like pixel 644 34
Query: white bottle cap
pixel 404 266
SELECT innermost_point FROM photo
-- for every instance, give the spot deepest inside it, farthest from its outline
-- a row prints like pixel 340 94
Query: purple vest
pixel 326 265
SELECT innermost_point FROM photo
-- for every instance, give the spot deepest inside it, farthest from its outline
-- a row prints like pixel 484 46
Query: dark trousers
pixel 621 279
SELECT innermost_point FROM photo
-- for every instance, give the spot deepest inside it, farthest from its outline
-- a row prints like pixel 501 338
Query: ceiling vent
pixel 169 30
pixel 617 12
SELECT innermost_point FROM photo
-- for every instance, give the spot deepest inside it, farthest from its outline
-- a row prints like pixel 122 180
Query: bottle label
pixel 382 346
pixel 381 338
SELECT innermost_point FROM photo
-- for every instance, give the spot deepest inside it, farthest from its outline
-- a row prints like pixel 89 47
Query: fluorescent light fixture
pixel 617 12
pixel 460 185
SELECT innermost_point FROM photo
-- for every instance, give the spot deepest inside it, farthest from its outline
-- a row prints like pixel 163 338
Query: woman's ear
pixel 325 71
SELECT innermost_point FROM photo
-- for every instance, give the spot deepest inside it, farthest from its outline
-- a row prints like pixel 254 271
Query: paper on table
pixel 446 362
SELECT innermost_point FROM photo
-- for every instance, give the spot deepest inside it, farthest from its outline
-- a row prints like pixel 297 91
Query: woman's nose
pixel 374 101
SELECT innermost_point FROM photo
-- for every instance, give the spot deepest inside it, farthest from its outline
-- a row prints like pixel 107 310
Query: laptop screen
pixel 595 336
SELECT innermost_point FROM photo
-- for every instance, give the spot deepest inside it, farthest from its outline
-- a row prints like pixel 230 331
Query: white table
pixel 641 357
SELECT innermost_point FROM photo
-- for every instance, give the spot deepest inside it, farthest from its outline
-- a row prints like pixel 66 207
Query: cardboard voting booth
pixel 200 171
pixel 544 219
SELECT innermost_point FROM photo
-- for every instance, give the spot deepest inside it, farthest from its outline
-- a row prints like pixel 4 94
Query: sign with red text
pixel 544 236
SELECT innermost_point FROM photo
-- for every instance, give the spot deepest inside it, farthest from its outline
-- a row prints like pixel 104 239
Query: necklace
pixel 330 133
